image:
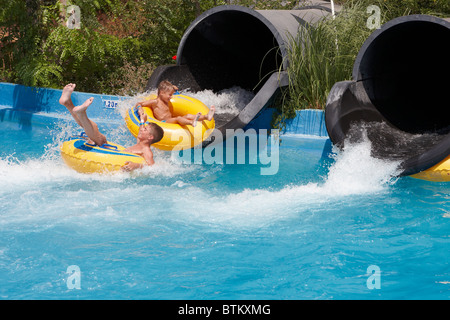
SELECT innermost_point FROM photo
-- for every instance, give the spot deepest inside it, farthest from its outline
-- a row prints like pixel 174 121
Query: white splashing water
pixel 230 100
pixel 353 174
pixel 354 171
pixel 357 172
pixel 50 168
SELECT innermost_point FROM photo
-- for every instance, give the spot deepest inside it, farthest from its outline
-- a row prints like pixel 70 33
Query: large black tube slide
pixel 398 96
pixel 236 46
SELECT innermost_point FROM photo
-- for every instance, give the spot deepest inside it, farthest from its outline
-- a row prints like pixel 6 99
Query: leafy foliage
pixel 116 37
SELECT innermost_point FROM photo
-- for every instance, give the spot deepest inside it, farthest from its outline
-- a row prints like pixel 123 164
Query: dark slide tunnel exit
pixel 399 94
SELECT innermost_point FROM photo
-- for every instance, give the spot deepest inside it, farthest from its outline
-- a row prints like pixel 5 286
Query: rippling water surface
pixel 218 231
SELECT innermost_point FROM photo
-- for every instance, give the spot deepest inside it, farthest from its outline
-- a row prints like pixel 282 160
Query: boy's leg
pixel 66 101
pixel 90 127
pixel 188 119
pixel 192 119
pixel 209 115
pixel 183 120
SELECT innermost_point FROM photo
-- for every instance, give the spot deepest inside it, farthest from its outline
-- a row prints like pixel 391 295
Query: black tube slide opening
pixel 405 70
pixel 401 83
pixel 230 48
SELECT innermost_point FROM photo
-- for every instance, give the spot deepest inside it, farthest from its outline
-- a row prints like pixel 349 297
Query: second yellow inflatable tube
pixel 176 136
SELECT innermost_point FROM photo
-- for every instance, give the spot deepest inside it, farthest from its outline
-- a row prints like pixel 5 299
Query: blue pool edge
pixel 40 106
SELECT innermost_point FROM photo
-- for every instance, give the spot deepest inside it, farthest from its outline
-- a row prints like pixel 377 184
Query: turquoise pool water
pixel 197 231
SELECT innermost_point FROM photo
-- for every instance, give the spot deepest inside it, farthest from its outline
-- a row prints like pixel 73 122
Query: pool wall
pixel 39 106
pixel 30 106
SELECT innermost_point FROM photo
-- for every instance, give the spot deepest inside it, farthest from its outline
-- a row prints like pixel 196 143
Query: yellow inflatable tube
pixel 437 173
pixel 175 136
pixel 88 158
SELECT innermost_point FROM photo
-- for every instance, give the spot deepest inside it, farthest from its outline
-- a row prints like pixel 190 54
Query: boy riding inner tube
pixel 84 157
pixel 176 136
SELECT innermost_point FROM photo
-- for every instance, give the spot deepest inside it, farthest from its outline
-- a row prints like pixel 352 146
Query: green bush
pixel 118 40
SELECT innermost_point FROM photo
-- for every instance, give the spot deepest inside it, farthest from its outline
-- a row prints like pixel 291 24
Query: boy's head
pixel 166 86
pixel 152 133
pixel 166 90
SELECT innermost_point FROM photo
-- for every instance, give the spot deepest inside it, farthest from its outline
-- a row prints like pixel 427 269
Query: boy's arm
pixel 130 166
pixel 148 156
pixel 147 103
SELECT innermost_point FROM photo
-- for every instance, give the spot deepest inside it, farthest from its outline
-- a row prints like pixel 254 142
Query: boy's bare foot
pixel 67 92
pixel 210 114
pixel 194 122
pixel 82 108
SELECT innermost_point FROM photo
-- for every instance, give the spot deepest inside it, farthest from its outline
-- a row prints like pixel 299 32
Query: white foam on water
pixel 40 193
pixel 34 172
pixel 50 167
pixel 355 173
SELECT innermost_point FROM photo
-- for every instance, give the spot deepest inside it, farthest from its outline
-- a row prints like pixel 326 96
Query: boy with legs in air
pixel 149 133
